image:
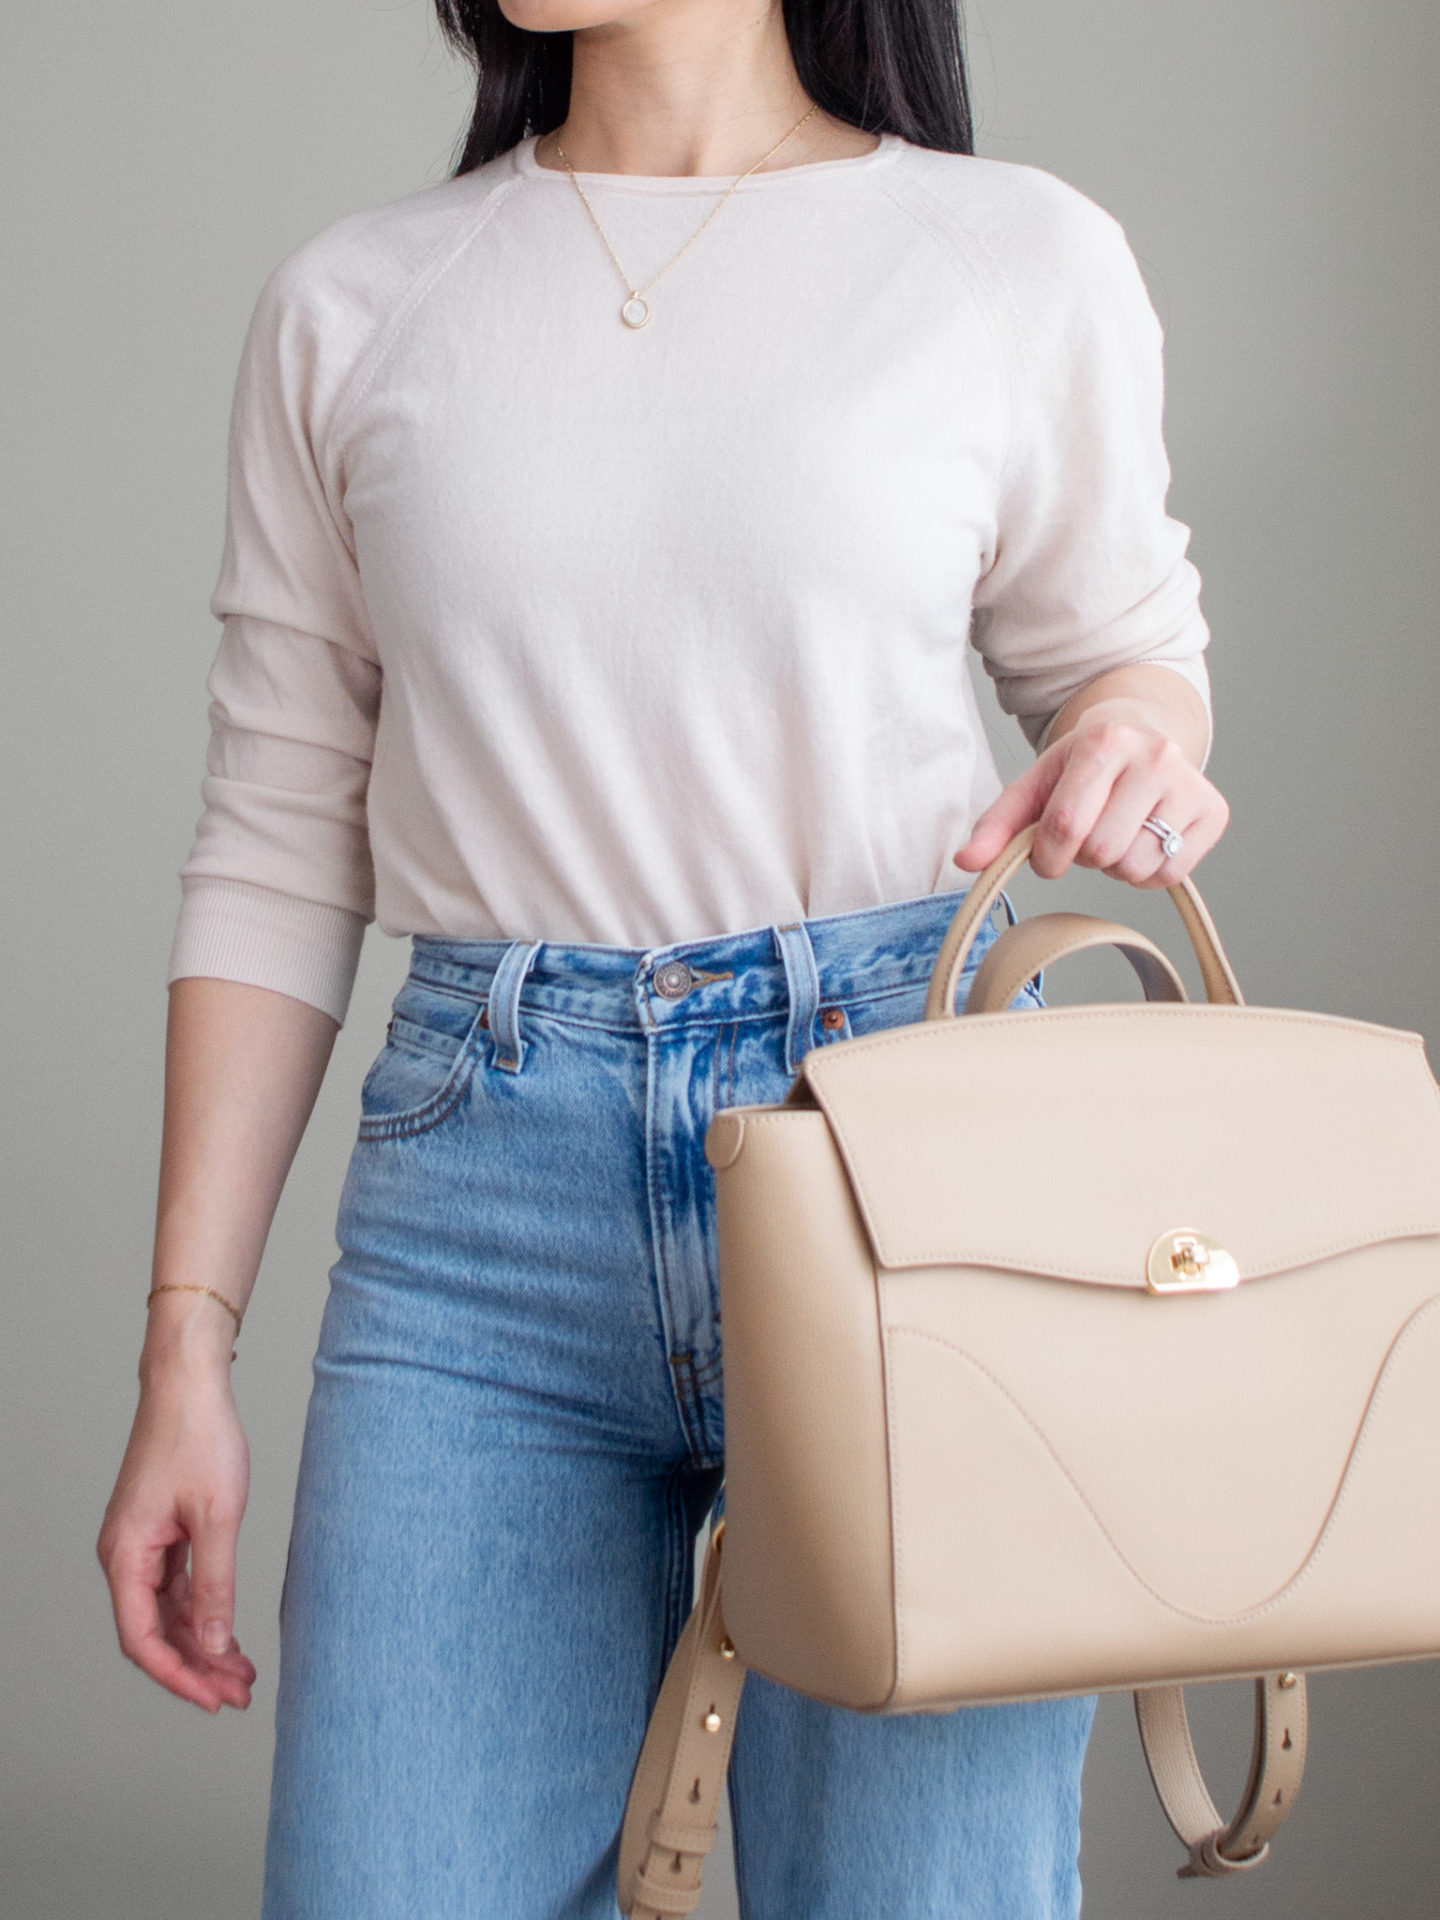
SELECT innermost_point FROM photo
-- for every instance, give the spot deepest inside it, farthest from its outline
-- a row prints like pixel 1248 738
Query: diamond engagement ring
pixel 1169 839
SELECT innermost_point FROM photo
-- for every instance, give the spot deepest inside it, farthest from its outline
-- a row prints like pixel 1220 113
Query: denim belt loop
pixel 802 977
pixel 504 1004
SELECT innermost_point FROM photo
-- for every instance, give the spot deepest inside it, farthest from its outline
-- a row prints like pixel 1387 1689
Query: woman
pixel 602 627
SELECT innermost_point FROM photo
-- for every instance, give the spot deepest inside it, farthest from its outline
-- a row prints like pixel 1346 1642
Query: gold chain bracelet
pixel 210 1294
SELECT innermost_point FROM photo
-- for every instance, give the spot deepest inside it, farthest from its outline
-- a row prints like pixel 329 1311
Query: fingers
pixel 151 1594
pixel 214 1533
pixel 1021 802
pixel 197 1604
pixel 1119 836
pixel 1142 867
pixel 1144 766
pixel 137 1575
pixel 1091 794
pixel 232 1674
pixel 1122 845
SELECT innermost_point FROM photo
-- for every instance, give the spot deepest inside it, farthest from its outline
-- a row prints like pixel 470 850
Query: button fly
pixel 674 980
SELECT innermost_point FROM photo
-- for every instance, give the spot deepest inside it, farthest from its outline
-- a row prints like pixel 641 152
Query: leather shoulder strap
pixel 670 1822
pixel 1277 1763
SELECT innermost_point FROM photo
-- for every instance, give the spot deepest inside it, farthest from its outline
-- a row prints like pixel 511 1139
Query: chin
pixel 563 16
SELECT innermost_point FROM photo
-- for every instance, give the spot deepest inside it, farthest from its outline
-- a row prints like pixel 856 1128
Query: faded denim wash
pixel 516 1433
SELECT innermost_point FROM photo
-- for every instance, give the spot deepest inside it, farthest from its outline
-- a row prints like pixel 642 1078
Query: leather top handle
pixel 1027 948
pixel 1221 986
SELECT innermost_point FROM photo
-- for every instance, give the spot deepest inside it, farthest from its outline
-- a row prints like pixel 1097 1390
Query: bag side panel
pixel 809 1594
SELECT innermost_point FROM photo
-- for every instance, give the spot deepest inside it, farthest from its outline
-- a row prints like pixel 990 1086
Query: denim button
pixel 674 980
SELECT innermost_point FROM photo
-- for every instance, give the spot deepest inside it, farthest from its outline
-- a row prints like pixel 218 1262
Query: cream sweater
pixel 535 625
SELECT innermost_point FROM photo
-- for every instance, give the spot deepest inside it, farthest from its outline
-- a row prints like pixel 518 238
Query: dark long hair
pixel 887 66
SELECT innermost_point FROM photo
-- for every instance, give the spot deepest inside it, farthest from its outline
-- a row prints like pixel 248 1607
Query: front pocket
pixel 421 1072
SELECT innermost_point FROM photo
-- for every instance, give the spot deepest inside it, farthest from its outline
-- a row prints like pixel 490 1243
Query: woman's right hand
pixel 169 1537
pixel 243 1065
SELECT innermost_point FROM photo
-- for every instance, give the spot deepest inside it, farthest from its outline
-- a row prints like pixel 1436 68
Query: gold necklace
pixel 636 309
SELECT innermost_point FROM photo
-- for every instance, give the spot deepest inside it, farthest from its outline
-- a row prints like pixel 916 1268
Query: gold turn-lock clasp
pixel 1184 1261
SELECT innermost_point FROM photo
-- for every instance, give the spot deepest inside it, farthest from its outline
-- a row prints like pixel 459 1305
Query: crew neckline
pixel 526 165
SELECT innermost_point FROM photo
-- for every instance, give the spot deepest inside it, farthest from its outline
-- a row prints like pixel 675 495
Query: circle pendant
pixel 635 311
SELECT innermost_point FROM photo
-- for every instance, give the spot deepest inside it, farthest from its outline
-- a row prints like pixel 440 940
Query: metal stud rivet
pixel 674 980
pixel 712 1722
pixel 1287 1681
pixel 727 1649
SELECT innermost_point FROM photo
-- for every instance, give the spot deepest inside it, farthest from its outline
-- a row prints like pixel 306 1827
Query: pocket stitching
pixel 397 1126
pixel 422 1040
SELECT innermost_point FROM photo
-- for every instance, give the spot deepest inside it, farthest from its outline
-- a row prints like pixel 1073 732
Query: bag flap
pixel 1067 1140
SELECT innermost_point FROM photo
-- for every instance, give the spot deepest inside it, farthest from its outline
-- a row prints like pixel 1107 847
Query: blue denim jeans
pixel 516 1432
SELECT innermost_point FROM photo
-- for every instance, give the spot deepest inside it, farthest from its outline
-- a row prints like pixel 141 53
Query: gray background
pixel 1277 171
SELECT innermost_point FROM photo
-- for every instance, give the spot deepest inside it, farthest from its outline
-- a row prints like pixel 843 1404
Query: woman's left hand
pixel 1091 791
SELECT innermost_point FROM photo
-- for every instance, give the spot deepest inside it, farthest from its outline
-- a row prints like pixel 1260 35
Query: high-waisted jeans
pixel 516 1432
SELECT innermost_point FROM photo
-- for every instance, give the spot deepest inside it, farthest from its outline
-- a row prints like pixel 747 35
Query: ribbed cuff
pixel 236 930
